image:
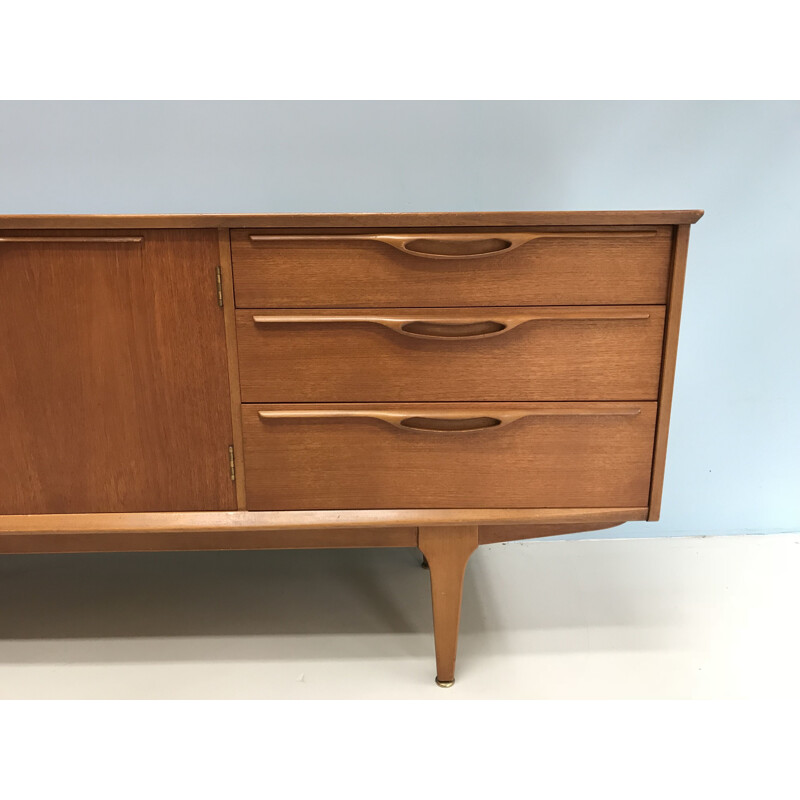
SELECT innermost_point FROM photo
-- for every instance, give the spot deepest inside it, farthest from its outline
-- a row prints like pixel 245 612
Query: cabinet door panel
pixel 113 373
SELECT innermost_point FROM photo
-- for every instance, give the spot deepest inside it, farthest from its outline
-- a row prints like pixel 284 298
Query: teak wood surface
pixel 557 353
pixel 225 297
pixel 114 381
pixel 678 275
pixel 309 271
pixel 432 230
pixel 231 523
pixel 438 380
pixel 60 539
pixel 553 455
pixel 358 220
pixel 447 552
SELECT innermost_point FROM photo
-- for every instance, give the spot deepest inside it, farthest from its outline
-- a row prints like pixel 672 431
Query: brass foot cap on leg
pixel 444 684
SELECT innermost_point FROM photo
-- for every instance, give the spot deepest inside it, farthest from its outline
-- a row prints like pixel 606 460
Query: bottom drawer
pixel 448 455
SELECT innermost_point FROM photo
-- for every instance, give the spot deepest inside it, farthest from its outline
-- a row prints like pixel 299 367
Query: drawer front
pixel 494 455
pixel 543 267
pixel 555 353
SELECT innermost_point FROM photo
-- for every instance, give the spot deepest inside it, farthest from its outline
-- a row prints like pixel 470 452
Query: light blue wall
pixel 734 456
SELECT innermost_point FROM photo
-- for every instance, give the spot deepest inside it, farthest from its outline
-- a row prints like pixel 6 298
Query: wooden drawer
pixel 544 353
pixel 503 455
pixel 541 267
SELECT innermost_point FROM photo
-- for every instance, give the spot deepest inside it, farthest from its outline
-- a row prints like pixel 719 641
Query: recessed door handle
pixel 452 245
pixel 443 421
pixel 450 327
pixel 70 239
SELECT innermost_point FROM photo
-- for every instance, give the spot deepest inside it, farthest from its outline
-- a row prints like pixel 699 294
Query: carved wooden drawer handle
pixel 443 421
pixel 70 239
pixel 449 327
pixel 452 245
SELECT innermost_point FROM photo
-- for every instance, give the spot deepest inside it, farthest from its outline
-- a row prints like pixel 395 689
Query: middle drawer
pixel 450 354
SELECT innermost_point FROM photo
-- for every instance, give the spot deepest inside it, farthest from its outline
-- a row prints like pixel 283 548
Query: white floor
pixel 712 617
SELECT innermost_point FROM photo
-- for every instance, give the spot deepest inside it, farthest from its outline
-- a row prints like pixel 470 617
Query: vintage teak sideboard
pixel 438 381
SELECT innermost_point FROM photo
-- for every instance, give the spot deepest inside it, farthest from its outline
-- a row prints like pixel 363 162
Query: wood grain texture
pixel 114 379
pixel 50 238
pixel 67 470
pixel 229 311
pixel 234 522
pixel 357 274
pixel 673 322
pixel 143 539
pixel 567 353
pixel 100 221
pixel 447 551
pixel 538 461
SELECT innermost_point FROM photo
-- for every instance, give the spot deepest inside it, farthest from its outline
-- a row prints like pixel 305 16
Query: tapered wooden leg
pixel 447 550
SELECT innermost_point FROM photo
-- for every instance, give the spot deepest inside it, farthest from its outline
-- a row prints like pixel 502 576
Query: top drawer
pixel 553 266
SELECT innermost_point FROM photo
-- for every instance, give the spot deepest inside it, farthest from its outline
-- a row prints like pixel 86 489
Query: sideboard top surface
pixel 387 220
